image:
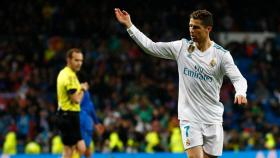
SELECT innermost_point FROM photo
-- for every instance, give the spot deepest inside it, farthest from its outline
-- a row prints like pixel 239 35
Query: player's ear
pixel 209 28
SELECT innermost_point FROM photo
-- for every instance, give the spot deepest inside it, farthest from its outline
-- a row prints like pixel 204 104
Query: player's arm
pixel 97 124
pixel 167 50
pixel 238 81
pixel 92 110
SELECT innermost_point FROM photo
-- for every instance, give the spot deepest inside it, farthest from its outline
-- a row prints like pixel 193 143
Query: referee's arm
pixel 76 96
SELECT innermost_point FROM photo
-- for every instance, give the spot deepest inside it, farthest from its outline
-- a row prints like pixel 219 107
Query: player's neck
pixel 203 45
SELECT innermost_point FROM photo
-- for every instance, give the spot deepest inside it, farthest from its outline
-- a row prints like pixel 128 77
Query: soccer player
pixel 69 94
pixel 202 65
pixel 88 119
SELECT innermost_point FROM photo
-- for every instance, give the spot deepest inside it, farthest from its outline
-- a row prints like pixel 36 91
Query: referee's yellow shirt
pixel 67 80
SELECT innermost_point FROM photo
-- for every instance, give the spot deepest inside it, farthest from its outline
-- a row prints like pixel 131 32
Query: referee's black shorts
pixel 69 125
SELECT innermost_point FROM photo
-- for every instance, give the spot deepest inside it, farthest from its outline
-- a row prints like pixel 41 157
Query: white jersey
pixel 200 76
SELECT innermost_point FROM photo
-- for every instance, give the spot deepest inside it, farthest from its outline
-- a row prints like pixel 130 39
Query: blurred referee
pixel 70 93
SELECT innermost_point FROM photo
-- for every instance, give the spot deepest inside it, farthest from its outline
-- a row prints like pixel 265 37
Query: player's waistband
pixel 68 112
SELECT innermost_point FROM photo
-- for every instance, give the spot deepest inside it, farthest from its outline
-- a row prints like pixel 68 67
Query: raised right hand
pixel 123 17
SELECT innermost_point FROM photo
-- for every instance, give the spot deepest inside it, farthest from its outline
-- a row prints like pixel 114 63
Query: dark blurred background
pixel 135 94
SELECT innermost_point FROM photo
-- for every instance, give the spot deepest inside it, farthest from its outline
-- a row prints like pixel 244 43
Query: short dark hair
pixel 71 51
pixel 203 15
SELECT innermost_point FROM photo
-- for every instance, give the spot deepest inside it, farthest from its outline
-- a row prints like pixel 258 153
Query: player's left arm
pixel 97 124
pixel 93 114
pixel 238 81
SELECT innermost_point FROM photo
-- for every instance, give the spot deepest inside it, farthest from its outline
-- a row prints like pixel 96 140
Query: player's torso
pixel 200 69
pixel 200 79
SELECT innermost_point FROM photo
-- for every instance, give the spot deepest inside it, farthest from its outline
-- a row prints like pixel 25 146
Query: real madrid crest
pixel 191 49
pixel 213 62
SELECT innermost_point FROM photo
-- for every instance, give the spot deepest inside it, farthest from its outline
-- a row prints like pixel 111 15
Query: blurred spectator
pixel 10 144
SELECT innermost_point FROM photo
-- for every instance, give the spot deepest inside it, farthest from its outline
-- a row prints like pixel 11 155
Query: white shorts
pixel 209 136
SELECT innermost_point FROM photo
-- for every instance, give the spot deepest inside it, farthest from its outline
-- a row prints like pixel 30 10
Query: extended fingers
pixel 124 12
pixel 240 100
pixel 244 101
pixel 119 12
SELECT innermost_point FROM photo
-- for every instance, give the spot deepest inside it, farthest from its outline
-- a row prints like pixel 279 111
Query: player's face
pixel 198 32
pixel 76 61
